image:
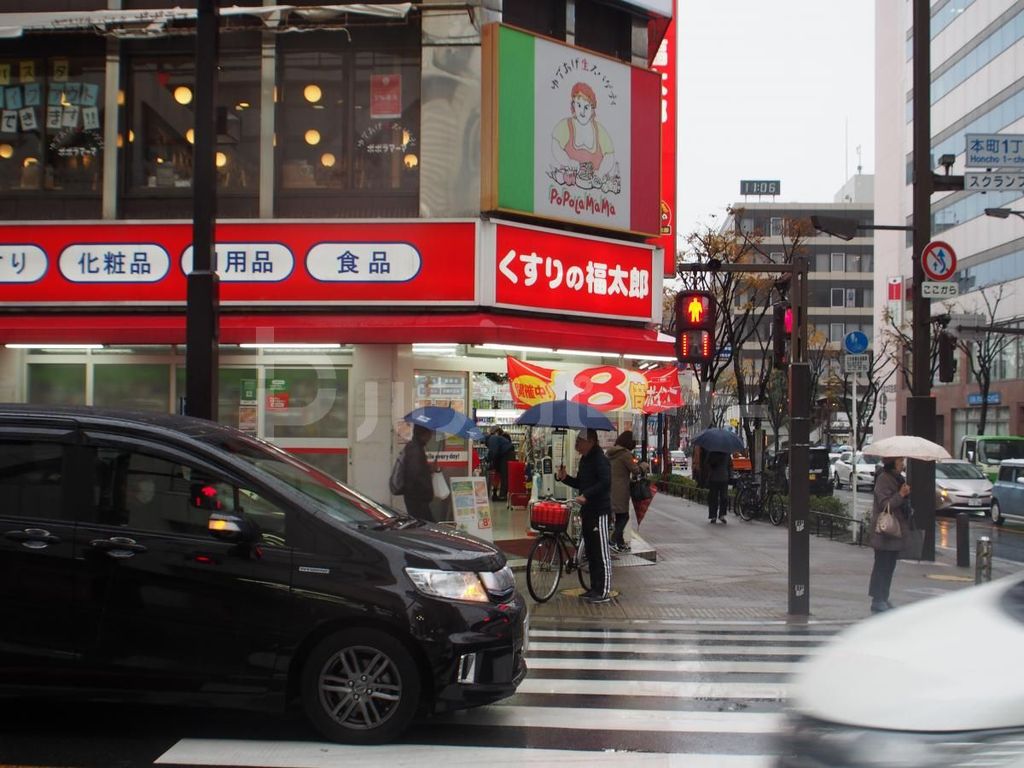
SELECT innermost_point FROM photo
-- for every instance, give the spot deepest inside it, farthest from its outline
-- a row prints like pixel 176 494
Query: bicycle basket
pixel 549 516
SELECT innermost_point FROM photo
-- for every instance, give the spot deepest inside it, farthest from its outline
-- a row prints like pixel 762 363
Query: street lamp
pixel 1003 213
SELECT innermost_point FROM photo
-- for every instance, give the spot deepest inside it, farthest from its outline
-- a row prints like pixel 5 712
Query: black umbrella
pixel 566 414
pixel 718 440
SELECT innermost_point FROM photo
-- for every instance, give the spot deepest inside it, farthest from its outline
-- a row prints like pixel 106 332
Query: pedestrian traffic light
pixel 695 327
pixel 947 357
pixel 782 327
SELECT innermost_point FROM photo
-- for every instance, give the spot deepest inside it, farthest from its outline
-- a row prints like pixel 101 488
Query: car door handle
pixel 118 546
pixel 33 538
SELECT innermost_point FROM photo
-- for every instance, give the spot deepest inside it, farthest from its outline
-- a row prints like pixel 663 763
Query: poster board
pixel 472 507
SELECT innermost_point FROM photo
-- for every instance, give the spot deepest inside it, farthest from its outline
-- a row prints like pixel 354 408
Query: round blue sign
pixel 855 342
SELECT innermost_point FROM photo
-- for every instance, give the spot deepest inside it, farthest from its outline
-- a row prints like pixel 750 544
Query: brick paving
pixel 739 571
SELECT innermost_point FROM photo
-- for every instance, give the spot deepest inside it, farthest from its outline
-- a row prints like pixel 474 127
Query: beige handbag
pixel 888 524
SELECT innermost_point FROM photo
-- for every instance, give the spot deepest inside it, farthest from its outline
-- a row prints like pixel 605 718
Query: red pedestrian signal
pixel 695 327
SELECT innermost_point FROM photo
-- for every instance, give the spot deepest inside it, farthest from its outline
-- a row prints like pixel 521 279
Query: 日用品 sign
pixel 995 150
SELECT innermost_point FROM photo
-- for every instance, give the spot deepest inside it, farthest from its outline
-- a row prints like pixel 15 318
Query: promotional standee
pixel 471 507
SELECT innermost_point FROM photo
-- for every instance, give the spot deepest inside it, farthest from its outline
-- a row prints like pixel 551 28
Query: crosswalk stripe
pixel 540 634
pixel 272 754
pixel 674 649
pixel 725 667
pixel 680 690
pixel 671 721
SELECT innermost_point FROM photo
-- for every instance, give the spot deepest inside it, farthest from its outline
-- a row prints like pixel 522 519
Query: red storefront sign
pixel 270 263
pixel 547 271
pixel 665 65
pixel 385 96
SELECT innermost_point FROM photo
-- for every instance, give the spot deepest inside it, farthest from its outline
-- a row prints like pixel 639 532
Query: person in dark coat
pixel 718 466
pixel 500 452
pixel 419 487
pixel 594 483
pixel 892 491
pixel 624 466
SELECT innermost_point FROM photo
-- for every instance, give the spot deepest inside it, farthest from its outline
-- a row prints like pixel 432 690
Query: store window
pixel 159 129
pixel 306 403
pixel 136 387
pixel 838 262
pixel 56 383
pixel 51 122
pixel 237 405
pixel 838 295
pixel 836 331
pixel 603 28
pixel 545 17
pixel 348 133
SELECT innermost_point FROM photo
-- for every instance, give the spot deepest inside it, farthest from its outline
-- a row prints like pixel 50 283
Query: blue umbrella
pixel 720 440
pixel 447 420
pixel 565 414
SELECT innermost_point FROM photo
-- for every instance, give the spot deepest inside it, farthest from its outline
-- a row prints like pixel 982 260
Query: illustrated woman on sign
pixel 580 144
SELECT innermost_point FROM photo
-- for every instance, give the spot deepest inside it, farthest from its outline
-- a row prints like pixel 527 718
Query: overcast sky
pixel 771 89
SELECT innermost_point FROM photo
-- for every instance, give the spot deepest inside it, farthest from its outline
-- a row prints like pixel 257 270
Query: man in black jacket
pixel 419 488
pixel 594 483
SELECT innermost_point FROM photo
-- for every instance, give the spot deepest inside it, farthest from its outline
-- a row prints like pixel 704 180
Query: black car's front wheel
pixel 360 686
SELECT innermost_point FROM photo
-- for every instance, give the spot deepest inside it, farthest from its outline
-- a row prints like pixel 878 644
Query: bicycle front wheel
pixel 543 568
pixel 776 509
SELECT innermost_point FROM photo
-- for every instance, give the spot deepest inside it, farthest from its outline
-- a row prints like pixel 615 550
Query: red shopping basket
pixel 549 516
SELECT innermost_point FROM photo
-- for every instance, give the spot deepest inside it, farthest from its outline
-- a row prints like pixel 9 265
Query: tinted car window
pixel 995 451
pixel 31 474
pixel 959 472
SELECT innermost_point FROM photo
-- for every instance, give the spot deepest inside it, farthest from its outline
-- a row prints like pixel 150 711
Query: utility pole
pixel 920 404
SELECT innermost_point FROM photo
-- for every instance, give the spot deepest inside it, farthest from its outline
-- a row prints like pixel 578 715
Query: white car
pixel 843 469
pixel 901 689
pixel 961 487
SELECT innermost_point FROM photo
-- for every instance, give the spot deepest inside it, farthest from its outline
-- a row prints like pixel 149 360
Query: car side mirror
pixel 230 528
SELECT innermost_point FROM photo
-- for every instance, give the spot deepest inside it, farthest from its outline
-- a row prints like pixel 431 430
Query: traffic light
pixel 947 357
pixel 695 327
pixel 782 327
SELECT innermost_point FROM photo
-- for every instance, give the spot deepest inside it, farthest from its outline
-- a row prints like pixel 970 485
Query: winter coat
pixel 623 466
pixel 718 464
pixel 419 485
pixel 593 481
pixel 887 491
pixel 499 448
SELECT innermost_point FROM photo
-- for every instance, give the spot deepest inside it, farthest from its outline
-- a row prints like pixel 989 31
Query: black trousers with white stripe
pixel 595 539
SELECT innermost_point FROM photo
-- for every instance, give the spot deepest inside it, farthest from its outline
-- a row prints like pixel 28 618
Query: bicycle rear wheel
pixel 776 509
pixel 544 568
pixel 583 567
pixel 747 501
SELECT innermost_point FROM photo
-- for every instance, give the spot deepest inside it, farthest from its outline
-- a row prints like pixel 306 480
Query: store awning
pixel 152 22
pixel 459 328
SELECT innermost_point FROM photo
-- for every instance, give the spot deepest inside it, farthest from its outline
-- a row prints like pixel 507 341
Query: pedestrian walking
pixel 624 468
pixel 891 494
pixel 719 465
pixel 418 488
pixel 500 451
pixel 594 483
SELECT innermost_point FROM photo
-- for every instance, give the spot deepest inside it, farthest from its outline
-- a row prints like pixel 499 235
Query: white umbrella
pixel 908 447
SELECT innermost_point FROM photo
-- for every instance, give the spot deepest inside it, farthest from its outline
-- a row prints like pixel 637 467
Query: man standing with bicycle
pixel 594 483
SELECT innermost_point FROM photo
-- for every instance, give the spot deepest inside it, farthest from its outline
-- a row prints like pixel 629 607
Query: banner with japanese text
pixel 605 387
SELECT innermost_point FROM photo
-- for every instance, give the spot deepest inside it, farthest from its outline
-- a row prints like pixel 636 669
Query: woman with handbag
pixel 887 526
pixel 624 467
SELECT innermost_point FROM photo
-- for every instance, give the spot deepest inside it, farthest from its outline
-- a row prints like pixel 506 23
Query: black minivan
pixel 166 559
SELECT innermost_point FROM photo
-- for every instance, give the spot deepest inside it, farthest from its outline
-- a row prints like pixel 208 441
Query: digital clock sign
pixel 760 187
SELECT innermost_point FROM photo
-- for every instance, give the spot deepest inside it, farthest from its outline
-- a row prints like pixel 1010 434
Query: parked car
pixel 961 487
pixel 1008 492
pixel 680 460
pixel 818 477
pixel 882 692
pixel 988 451
pixel 164 559
pixel 845 471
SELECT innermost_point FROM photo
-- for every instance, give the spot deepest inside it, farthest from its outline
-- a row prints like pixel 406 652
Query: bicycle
pixel 559 547
pixel 756 497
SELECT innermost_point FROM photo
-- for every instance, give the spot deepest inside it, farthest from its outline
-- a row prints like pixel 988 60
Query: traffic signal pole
pixel 799 592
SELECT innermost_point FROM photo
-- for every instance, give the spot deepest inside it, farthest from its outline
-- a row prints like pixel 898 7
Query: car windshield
pixel 959 471
pixel 867 458
pixel 339 501
pixel 994 451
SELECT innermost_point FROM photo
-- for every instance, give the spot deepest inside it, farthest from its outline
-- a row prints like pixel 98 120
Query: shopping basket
pixel 549 516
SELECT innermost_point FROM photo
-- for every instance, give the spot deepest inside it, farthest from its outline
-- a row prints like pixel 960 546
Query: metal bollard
pixel 963 540
pixel 983 560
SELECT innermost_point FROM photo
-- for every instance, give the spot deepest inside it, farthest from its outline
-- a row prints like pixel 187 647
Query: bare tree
pixel 984 355
pixel 879 372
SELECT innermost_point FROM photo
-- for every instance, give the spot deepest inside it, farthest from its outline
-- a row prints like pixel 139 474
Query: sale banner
pixel 605 387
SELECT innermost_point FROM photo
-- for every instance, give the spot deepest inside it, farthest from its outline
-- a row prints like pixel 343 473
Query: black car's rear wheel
pixel 360 686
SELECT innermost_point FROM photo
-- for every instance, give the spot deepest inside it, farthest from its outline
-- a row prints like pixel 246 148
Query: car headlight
pixel 943 493
pixel 807 742
pixel 450 585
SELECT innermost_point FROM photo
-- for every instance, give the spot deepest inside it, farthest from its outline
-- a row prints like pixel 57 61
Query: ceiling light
pixel 312 137
pixel 183 95
pixel 515 348
pixel 651 357
pixel 445 350
pixel 327 160
pixel 190 136
pixel 54 346
pixel 312 93
pixel 6 151
pixel 298 346
pixel 581 353
pixel 221 159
